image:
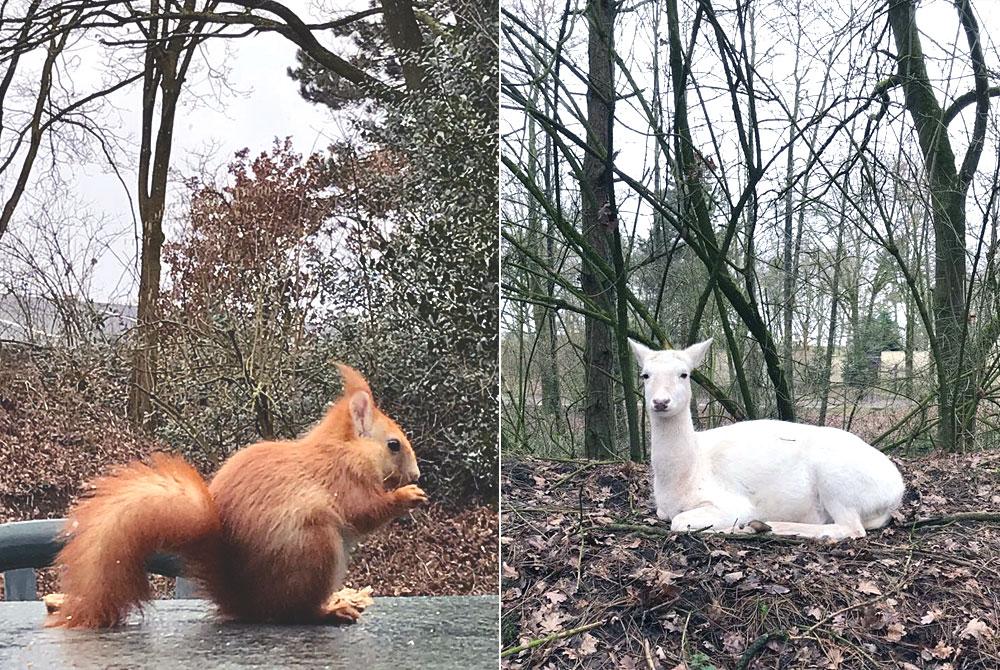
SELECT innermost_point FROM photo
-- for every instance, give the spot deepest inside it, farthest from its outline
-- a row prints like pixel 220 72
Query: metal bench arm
pixel 34 544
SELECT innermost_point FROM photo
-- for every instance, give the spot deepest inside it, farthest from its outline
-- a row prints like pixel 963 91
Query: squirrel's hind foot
pixel 340 614
pixel 346 605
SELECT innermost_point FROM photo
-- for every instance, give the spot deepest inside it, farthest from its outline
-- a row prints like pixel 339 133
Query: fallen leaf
pixel 977 629
pixel 733 643
pixel 359 599
pixel 53 602
pixel 551 622
pixel 866 586
pixel 555 597
pixel 940 651
pixel 930 617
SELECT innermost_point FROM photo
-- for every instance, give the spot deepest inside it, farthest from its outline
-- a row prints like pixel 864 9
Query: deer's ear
pixel 640 351
pixel 696 352
pixel 362 413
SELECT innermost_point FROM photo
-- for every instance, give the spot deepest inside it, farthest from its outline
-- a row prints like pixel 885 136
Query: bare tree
pixel 949 184
pixel 50 113
pixel 599 222
pixel 169 33
pixel 169 49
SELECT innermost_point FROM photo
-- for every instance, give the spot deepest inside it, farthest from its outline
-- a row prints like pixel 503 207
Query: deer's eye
pixel 644 375
pixel 394 445
pixel 684 375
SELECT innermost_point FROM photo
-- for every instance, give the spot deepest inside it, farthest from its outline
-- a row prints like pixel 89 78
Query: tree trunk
pixel 788 283
pixel 831 337
pixel 948 187
pixel 695 225
pixel 599 216
pixel 541 315
pixel 165 70
pixel 554 193
pixel 405 37
pixel 913 256
pixel 908 347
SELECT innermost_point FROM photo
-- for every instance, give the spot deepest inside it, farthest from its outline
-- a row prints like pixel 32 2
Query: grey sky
pixel 260 103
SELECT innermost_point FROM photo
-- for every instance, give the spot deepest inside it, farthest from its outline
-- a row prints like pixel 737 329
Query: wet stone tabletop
pixel 394 633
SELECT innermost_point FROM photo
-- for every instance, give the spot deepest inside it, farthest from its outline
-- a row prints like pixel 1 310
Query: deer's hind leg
pixel 815 531
pixel 846 523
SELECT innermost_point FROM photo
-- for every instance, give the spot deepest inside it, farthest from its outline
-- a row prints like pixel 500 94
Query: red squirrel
pixel 268 539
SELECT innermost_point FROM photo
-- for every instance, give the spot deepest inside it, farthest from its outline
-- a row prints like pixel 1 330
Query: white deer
pixel 801 480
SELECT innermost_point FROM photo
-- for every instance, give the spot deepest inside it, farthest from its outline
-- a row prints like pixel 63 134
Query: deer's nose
pixel 661 404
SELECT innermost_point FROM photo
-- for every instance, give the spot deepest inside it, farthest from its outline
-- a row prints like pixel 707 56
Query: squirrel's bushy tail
pixel 130 514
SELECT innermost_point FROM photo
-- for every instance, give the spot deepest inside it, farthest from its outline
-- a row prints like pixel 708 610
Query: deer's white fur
pixel 801 480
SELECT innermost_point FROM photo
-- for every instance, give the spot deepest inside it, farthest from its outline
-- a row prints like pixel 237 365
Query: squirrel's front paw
pixel 410 496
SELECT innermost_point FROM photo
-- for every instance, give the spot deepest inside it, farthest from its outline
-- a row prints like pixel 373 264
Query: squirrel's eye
pixel 394 445
pixel 684 375
pixel 645 375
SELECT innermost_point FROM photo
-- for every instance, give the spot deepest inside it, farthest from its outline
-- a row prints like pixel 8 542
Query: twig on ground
pixel 959 517
pixel 538 510
pixel 583 536
pixel 562 480
pixel 684 636
pixel 648 654
pixel 757 646
pixel 666 532
pixel 879 548
pixel 842 610
pixel 556 459
pixel 510 651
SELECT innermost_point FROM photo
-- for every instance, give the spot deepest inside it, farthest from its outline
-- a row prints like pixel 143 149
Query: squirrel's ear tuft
pixel 362 413
pixel 353 381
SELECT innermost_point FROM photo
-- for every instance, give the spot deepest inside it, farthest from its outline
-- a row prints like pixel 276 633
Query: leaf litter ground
pixel 584 553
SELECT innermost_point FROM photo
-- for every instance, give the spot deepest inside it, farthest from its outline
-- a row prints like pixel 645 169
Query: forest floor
pixel 53 438
pixel 588 566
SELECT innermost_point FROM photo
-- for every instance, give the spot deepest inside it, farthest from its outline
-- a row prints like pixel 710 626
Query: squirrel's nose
pixel 414 475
